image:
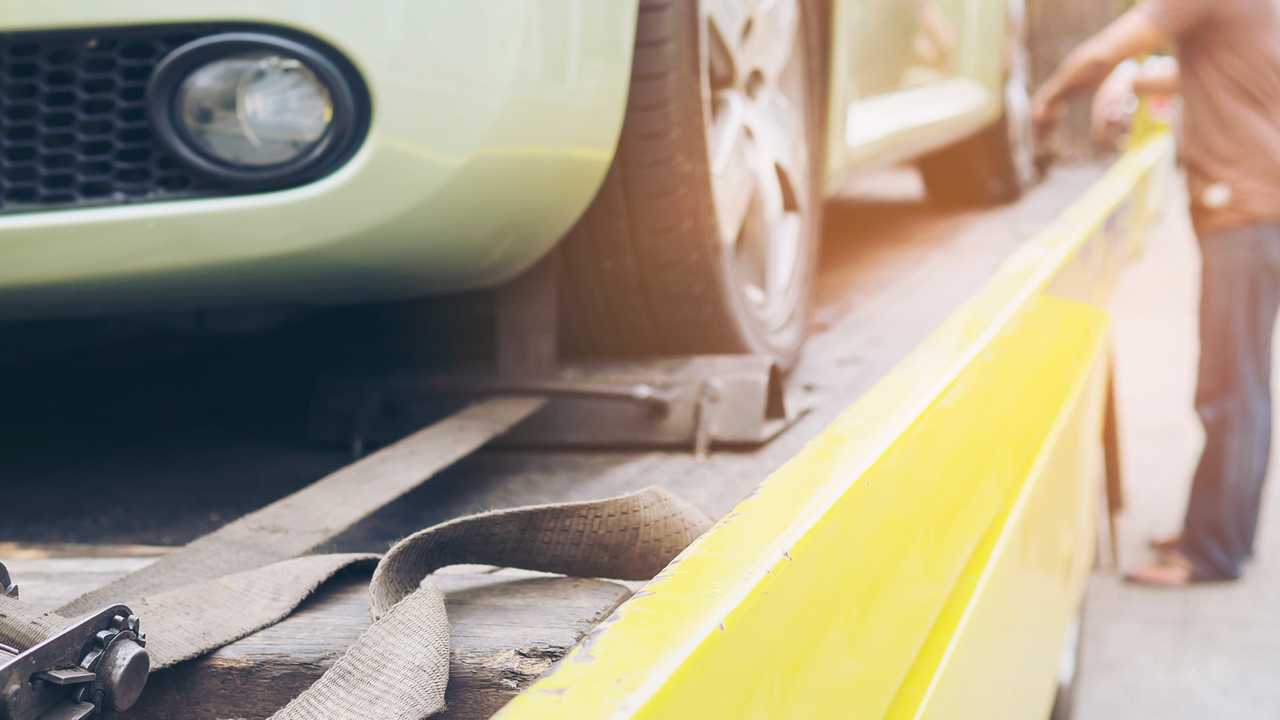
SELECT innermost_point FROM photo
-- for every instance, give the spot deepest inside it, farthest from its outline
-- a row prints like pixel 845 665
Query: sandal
pixel 1172 570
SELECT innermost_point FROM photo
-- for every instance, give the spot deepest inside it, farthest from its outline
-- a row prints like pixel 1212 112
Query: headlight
pixel 256 109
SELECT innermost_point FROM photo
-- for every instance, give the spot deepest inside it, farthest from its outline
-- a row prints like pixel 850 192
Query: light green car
pixel 170 155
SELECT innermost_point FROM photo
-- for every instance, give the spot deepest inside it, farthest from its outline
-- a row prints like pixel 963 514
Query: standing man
pixel 1229 77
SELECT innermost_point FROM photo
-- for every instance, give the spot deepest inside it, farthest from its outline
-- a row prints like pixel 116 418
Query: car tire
pixel 997 164
pixel 1069 664
pixel 703 237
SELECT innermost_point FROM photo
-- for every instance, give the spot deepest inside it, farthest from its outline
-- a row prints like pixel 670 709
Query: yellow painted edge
pixel 629 657
pixel 913 700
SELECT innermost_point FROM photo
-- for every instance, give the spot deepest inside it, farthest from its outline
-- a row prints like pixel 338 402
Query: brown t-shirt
pixel 1229 65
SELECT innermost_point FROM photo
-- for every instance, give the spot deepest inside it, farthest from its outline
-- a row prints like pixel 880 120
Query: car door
pixel 909 76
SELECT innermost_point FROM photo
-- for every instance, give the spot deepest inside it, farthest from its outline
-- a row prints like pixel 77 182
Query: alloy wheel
pixel 756 115
pixel 1017 98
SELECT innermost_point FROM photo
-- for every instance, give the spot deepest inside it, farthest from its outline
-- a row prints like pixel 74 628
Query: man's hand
pixel 1114 105
pixel 1130 35
pixel 1046 110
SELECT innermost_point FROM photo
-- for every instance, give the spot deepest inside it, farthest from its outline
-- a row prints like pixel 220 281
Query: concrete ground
pixel 1207 652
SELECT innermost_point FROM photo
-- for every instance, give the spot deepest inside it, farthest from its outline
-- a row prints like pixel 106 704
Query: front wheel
pixel 704 234
pixel 998 164
pixel 1069 663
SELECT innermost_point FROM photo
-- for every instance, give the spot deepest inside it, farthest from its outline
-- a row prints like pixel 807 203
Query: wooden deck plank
pixel 508 626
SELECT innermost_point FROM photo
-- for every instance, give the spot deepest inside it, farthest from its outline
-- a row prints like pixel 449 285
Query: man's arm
pixel 1116 100
pixel 1157 76
pixel 1130 35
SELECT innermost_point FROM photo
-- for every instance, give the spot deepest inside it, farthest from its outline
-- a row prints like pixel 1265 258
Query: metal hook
pixel 7 586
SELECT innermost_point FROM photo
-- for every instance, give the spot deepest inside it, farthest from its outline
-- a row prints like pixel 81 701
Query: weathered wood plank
pixel 508 627
pixel 13 551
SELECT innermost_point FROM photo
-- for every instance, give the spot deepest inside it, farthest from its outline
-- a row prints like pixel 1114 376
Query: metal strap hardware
pixel 7 586
pixel 697 402
pixel 255 571
pixel 97 663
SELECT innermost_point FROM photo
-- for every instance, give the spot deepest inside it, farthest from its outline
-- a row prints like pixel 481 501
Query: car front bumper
pixel 492 127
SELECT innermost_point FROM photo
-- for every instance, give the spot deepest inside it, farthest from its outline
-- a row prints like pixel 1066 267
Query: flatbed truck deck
pixel 922 532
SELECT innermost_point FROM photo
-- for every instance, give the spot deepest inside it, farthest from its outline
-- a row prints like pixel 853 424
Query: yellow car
pixel 169 155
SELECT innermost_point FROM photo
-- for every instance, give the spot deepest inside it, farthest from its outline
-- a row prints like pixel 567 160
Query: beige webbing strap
pixel 190 621
pixel 22 625
pixel 399 666
pixel 301 522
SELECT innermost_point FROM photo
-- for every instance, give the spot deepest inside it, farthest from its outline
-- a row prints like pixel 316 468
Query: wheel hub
pixel 1017 98
pixel 757 142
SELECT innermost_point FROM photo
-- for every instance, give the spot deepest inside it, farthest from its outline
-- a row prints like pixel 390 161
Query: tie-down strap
pixel 398 668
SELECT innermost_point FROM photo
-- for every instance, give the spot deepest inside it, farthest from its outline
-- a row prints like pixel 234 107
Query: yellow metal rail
pixel 924 555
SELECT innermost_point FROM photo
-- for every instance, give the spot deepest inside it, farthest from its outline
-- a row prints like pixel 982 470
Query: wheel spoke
pixel 726 21
pixel 732 164
pixel 750 36
pixel 776 201
pixel 776 125
pixel 770 39
pixel 782 255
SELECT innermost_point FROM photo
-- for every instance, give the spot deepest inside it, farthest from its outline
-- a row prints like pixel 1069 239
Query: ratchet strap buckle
pixel 100 663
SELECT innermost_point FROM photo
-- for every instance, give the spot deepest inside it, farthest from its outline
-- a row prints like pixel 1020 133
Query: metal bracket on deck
pixel 697 402
pixel 99 663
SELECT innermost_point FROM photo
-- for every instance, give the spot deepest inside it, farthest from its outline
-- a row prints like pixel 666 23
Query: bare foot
pixel 1166 543
pixel 1171 570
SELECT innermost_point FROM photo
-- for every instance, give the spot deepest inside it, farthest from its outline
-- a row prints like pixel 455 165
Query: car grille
pixel 73 120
